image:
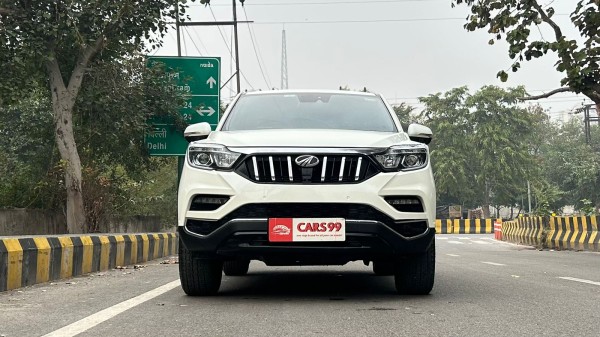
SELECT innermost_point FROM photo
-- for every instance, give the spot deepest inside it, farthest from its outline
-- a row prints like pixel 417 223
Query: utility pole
pixel 180 159
pixel 237 55
pixel 587 121
pixel 178 30
pixel 233 23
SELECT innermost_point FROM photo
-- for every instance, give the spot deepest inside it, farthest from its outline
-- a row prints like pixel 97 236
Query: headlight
pixel 405 158
pixel 211 156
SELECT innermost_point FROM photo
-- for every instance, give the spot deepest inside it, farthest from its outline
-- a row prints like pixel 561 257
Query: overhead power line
pixel 199 40
pixel 229 48
pixel 365 21
pixel 185 31
pixel 184 45
pixel 256 52
pixel 358 2
pixel 352 21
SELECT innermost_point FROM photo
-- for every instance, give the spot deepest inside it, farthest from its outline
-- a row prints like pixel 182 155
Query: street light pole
pixel 529 195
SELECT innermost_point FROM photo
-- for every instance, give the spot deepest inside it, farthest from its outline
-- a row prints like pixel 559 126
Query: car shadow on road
pixel 334 285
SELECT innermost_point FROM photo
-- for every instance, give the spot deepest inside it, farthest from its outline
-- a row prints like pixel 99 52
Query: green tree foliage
pixel 570 165
pixel 404 113
pixel 480 152
pixel 29 163
pixel 109 123
pixel 516 20
pixel 451 153
pixel 54 43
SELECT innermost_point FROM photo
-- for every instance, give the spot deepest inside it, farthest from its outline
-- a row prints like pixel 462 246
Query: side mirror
pixel 420 133
pixel 196 132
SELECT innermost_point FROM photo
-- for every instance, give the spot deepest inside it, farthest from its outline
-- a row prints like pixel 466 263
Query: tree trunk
pixel 63 102
pixel 486 202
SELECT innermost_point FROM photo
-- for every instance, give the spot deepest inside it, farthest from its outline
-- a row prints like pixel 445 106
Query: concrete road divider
pixel 466 226
pixel 26 261
pixel 574 233
pixel 525 231
pixel 560 233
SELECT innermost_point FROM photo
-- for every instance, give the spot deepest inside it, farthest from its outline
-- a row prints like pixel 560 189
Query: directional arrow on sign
pixel 211 82
pixel 209 112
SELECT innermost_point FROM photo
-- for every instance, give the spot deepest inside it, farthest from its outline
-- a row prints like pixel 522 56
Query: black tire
pixel 236 267
pixel 383 268
pixel 199 277
pixel 415 274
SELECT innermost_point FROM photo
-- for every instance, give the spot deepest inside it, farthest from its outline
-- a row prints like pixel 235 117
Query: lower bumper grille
pixel 310 210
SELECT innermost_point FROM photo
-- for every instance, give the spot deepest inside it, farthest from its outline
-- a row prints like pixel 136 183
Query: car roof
pixel 308 91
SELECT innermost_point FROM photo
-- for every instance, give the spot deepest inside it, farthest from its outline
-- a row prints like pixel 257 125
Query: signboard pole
pixel 180 159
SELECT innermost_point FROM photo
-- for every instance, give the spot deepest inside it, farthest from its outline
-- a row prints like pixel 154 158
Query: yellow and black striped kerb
pixel 443 226
pixel 526 231
pixel 27 261
pixel 466 226
pixel 561 233
pixel 575 233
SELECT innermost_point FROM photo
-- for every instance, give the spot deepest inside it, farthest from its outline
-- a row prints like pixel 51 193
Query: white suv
pixel 307 178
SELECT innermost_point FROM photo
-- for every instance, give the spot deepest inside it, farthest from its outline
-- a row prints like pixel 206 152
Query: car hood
pixel 307 138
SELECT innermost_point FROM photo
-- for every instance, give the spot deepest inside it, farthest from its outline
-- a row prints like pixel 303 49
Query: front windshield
pixel 310 111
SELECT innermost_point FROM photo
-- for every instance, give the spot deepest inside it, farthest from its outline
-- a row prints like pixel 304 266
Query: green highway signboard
pixel 198 78
pixel 164 140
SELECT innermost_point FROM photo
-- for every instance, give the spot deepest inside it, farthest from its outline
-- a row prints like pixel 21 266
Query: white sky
pixel 424 50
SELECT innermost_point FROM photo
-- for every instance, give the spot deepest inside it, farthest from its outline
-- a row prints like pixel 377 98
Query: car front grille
pixel 331 169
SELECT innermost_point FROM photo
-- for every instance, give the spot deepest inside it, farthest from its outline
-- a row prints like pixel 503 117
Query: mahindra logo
pixel 307 160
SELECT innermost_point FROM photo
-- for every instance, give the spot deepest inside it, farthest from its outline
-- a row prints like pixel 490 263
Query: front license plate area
pixel 307 229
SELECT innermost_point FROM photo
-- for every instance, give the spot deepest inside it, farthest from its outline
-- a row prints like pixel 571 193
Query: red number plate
pixel 307 229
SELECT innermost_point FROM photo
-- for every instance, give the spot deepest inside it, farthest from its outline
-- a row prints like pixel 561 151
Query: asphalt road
pixel 483 288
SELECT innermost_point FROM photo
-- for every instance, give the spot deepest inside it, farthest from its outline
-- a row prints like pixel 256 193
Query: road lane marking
pixel 463 238
pixel 453 255
pixel 580 280
pixel 482 242
pixel 493 263
pixel 456 242
pixel 91 321
pixel 501 242
pixel 441 238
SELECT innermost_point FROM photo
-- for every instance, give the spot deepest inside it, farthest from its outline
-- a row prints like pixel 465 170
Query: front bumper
pixel 248 239
pixel 372 224
pixel 243 191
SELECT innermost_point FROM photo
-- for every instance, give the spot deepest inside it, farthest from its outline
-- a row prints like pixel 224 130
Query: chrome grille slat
pixel 271 167
pixel 342 168
pixel 324 169
pixel 332 169
pixel 290 173
pixel 358 169
pixel 256 176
